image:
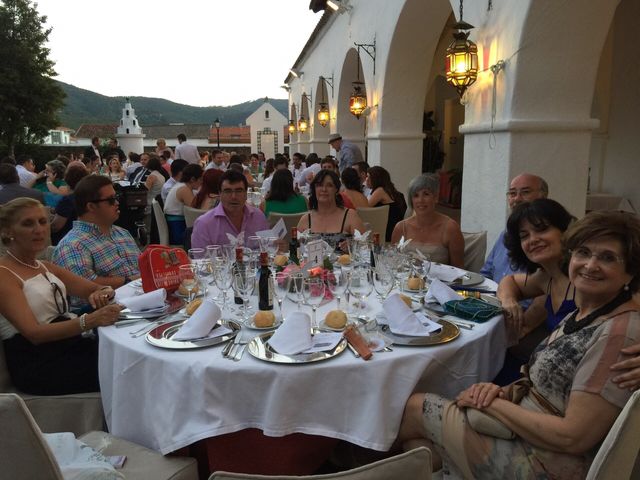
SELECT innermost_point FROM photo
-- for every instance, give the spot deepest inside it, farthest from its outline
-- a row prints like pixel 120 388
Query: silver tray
pixel 469 279
pixel 259 348
pixel 173 303
pixel 161 336
pixel 448 333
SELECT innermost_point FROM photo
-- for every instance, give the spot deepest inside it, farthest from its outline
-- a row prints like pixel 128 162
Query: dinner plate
pixel 161 336
pixel 201 293
pixel 252 325
pixel 448 333
pixel 172 303
pixel 260 348
pixel 469 279
pixel 323 326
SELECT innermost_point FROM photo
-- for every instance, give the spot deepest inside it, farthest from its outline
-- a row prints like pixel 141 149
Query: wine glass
pixel 383 281
pixel 297 284
pixel 223 279
pixel 188 278
pixel 281 285
pixel 254 243
pixel 313 289
pixel 337 282
pixel 360 283
pixel 244 282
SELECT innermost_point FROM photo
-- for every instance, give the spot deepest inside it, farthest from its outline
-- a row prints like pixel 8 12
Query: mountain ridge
pixel 87 107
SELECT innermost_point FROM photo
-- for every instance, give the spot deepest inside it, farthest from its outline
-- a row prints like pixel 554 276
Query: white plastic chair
pixel 376 219
pixel 190 215
pixel 475 249
pixel 161 222
pixel 290 220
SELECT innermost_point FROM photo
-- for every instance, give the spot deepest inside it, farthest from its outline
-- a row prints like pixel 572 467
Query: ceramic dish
pixel 161 337
pixel 448 333
pixel 252 325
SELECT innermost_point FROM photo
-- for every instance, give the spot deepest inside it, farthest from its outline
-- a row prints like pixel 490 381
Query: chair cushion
pixel 414 465
pixel 142 463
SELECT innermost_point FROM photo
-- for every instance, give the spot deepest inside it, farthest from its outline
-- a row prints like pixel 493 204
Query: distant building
pixel 129 133
pixel 268 127
pixel 59 136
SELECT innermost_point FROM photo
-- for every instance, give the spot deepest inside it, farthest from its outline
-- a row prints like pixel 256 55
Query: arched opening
pixel 350 127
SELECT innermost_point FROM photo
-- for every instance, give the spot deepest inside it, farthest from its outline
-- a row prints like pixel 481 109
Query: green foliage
pixel 29 97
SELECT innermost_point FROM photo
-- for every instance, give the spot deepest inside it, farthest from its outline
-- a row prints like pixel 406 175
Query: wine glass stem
pixel 314 325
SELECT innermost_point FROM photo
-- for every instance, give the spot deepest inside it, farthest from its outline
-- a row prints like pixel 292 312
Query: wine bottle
pixel 375 249
pixel 294 247
pixel 237 268
pixel 265 284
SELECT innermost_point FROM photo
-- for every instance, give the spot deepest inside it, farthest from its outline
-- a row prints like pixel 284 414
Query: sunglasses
pixel 110 200
pixel 58 297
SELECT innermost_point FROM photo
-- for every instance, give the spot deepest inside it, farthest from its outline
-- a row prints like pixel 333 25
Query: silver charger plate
pixel 260 348
pixel 469 279
pixel 448 333
pixel 161 337
pixel 172 302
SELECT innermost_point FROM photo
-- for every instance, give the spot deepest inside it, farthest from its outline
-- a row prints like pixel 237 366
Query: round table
pixel 168 399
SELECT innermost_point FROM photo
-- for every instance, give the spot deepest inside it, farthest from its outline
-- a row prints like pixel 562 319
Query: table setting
pixel 355 326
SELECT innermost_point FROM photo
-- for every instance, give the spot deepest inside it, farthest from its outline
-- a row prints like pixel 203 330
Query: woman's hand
pixel 479 395
pixel 101 297
pixel 52 177
pixel 104 316
pixel 631 377
pixel 513 316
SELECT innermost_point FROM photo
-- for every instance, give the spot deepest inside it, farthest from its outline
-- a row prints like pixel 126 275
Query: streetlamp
pixel 216 123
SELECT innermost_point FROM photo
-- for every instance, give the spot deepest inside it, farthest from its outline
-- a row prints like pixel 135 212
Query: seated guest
pixel 297 166
pixel 232 215
pixel 94 164
pixel 95 248
pixel 26 166
pixel 180 195
pixel 280 163
pixel 282 198
pixel 571 401
pixel 116 172
pixel 313 167
pixel 155 180
pixel 161 147
pixel 177 166
pixel 209 194
pixel 10 187
pixel 327 215
pixel 432 233
pixel 132 164
pixel 65 212
pixel 217 160
pixel 44 349
pixel 141 172
pixel 383 192
pixel 329 163
pixel 362 168
pixel 54 186
pixel 353 187
pixel 239 160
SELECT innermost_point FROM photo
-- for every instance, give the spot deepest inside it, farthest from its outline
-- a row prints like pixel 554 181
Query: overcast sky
pixel 196 52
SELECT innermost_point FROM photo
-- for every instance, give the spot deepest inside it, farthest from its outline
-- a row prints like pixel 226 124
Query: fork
pixel 240 350
pixel 146 329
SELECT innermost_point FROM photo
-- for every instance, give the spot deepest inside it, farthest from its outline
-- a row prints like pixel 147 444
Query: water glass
pixel 188 278
pixel 297 286
pixel 360 283
pixel 244 282
pixel 383 282
pixel 337 282
pixel 223 278
pixel 281 285
pixel 313 291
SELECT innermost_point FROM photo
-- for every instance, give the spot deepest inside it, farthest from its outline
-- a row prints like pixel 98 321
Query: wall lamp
pixel 339 6
pixel 296 73
pixel 303 123
pixel 461 64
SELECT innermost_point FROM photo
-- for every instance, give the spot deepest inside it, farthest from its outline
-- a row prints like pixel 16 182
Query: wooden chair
pixel 414 465
pixel 375 219
pixel 475 249
pixel 290 220
pixel 190 215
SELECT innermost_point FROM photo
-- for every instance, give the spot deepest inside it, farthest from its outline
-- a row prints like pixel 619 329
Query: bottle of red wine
pixel 237 268
pixel 265 284
pixel 375 249
pixel 294 247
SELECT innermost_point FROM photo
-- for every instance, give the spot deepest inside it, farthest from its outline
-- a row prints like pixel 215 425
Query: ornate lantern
pixel 302 124
pixel 292 126
pixel 462 57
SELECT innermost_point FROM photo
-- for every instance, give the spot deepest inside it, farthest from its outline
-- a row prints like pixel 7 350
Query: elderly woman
pixel 568 403
pixel 328 217
pixel 54 187
pixel 432 233
pixel 45 351
pixel 161 146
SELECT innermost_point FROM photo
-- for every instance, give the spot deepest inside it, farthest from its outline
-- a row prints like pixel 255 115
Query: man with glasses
pixel 95 248
pixel 231 216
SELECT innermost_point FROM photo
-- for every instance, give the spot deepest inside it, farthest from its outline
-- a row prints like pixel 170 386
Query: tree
pixel 29 97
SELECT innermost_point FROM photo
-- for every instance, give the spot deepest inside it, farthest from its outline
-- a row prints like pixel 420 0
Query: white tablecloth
pixel 167 399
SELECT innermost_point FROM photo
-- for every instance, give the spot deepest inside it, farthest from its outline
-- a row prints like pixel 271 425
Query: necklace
pixel 571 325
pixel 36 267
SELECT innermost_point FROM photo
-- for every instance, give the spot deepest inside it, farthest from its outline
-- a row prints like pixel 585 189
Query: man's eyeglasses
pixel 110 200
pixel 58 296
pixel 606 257
pixel 523 192
pixel 234 191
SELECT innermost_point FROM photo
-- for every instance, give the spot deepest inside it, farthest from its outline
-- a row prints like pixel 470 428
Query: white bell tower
pixel 129 131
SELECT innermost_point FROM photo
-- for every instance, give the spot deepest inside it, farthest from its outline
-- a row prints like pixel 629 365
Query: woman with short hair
pixel 54 186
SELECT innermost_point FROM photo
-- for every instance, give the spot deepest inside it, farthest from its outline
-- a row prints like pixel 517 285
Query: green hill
pixel 84 106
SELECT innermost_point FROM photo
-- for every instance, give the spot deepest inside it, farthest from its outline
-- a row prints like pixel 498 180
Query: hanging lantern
pixel 292 126
pixel 323 114
pixel 462 61
pixel 357 100
pixel 302 124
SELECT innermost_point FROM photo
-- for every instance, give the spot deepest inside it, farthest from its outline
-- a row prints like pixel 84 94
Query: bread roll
pixel 193 306
pixel 185 292
pixel 335 319
pixel 415 283
pixel 280 260
pixel 344 259
pixel 406 300
pixel 263 319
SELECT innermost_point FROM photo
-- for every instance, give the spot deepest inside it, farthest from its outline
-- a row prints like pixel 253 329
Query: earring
pixel 626 287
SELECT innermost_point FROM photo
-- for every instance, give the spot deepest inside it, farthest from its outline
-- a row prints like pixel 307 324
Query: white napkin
pixel 403 321
pixel 236 241
pixel 446 273
pixel 402 243
pixel 323 341
pixel 361 237
pixel 441 293
pixel 279 231
pixel 202 322
pixel 294 335
pixel 145 302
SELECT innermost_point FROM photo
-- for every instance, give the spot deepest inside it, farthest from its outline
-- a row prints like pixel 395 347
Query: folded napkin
pixel 236 241
pixel 294 335
pixel 440 293
pixel 402 243
pixel 202 322
pixel 403 321
pixel 446 273
pixel 361 237
pixel 323 341
pixel 147 301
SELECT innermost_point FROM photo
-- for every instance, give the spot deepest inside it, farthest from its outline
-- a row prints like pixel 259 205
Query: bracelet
pixel 83 322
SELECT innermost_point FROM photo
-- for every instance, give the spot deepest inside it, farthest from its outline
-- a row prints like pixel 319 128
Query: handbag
pixel 472 309
pixel 160 267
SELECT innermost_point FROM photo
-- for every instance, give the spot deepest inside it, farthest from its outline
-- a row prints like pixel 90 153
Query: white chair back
pixel 375 219
pixel 618 453
pixel 414 464
pixel 290 220
pixel 24 453
pixel 190 215
pixel 161 222
pixel 475 249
